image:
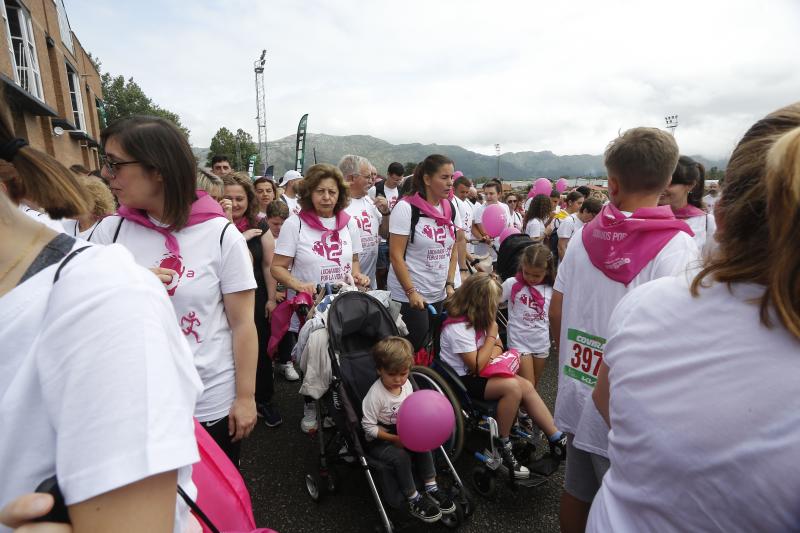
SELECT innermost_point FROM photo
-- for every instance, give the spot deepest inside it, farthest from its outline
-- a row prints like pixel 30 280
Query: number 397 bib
pixel 587 355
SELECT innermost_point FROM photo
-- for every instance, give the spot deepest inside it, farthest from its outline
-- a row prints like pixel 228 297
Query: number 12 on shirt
pixel 587 355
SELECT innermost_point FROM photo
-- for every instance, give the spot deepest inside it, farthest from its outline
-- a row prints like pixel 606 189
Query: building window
pixel 75 98
pixel 22 48
pixel 63 25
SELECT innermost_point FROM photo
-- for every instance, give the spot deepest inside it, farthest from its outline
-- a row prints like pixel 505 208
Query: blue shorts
pixel 383 256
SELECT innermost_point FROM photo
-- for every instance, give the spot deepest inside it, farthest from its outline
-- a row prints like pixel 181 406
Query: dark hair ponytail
pixel 428 167
pixel 688 172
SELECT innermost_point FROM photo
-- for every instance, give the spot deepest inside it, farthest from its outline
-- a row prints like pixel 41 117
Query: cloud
pixel 527 75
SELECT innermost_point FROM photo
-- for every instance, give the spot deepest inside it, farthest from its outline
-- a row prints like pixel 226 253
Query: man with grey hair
pixel 367 214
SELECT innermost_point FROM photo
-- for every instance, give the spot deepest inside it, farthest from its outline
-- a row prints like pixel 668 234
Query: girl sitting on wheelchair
pixel 469 341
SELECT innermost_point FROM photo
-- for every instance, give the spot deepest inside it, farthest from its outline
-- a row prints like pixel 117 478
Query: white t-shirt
pixel 535 228
pixel 455 340
pixel 207 271
pixel 72 227
pixel 466 209
pixel 292 204
pixel 391 195
pixel 483 249
pixel 516 219
pixel 568 226
pixel 367 218
pixel 42 218
pixel 710 202
pixel 589 298
pixel 427 258
pixel 380 408
pixel 705 414
pixel 704 228
pixel 528 327
pixel 97 384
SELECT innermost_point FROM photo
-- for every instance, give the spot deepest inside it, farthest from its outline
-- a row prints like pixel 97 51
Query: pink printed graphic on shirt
pixel 173 262
pixel 190 320
pixel 438 233
pixel 329 249
pixel 364 222
pixel 530 303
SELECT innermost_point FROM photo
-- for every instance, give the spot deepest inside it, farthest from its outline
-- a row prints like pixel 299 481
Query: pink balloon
pixel 507 233
pixel 542 186
pixel 425 420
pixel 494 220
pixel 561 185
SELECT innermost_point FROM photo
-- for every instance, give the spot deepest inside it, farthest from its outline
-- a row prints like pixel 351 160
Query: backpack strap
pixel 415 215
pixel 67 259
pixel 380 189
pixel 116 233
pixel 222 235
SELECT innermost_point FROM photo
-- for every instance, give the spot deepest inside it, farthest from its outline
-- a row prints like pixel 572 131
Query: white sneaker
pixel 288 371
pixel 309 422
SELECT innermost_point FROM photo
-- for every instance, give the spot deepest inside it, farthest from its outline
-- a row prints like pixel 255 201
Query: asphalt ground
pixel 276 460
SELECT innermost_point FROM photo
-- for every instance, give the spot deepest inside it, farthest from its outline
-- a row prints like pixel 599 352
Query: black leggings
pixel 218 429
pixel 265 380
pixel 418 322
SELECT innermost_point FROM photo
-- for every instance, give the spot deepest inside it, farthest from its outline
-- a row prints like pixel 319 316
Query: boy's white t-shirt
pixel 456 339
pixel 367 218
pixel 481 248
pixel 589 298
pixel 380 407
pixel 97 384
pixel 528 328
pixel 704 228
pixel 705 414
pixel 42 218
pixel 569 226
pixel 466 209
pixel 535 228
pixel 427 258
pixel 391 195
pixel 207 270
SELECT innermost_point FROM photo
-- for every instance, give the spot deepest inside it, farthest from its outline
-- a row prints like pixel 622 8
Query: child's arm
pixel 491 348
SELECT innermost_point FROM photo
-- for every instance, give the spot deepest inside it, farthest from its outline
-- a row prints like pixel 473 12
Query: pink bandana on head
pixel 204 208
pixel 442 219
pixel 535 294
pixel 313 220
pixel 620 247
pixel 688 211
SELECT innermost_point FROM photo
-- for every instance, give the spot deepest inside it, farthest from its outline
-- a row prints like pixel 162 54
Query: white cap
pixel 289 176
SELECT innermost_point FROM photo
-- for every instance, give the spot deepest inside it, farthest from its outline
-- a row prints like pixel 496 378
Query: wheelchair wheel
pixel 484 481
pixel 427 378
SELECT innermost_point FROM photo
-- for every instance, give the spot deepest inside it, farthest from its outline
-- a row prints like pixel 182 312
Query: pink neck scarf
pixel 535 294
pixel 620 247
pixel 459 320
pixel 442 219
pixel 313 220
pixel 242 225
pixel 688 211
pixel 204 208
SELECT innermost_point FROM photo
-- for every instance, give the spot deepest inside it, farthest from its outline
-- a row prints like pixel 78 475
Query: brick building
pixel 51 86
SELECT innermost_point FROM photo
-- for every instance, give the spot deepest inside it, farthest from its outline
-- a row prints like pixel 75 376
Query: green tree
pixel 237 146
pixel 409 168
pixel 123 99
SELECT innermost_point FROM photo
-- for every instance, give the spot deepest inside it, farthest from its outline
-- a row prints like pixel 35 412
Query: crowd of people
pixel 157 292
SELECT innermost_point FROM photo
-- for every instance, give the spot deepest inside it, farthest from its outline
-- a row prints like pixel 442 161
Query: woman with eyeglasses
pixel 181 234
pixel 97 384
pixel 512 201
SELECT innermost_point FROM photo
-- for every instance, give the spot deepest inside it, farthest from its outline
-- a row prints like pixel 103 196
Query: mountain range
pixel 513 165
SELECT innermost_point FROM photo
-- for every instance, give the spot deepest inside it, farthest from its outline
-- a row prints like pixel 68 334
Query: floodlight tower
pixel 497 152
pixel 672 123
pixel 261 110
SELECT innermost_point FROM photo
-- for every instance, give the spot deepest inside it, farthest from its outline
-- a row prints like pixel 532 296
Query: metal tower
pixel 672 123
pixel 261 108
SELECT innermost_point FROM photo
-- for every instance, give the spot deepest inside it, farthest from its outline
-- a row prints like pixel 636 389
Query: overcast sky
pixel 530 75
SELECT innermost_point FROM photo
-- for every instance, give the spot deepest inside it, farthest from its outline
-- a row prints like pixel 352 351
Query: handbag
pixel 505 365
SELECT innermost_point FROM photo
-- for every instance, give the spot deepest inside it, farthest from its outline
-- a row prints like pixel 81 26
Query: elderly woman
pixel 320 245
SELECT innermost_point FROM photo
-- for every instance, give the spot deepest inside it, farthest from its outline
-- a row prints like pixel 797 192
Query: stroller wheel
pixel 312 486
pixel 453 520
pixel 484 481
pixel 464 503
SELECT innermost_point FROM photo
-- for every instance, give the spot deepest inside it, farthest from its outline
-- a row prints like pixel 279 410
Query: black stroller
pixel 356 321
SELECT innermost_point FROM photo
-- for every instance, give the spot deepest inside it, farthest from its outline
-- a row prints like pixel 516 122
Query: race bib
pixel 587 356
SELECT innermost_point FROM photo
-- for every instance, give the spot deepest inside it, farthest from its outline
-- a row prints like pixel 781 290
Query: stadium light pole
pixel 497 152
pixel 672 123
pixel 261 110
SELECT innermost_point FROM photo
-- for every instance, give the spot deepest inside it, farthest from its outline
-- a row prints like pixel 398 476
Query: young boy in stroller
pixel 393 360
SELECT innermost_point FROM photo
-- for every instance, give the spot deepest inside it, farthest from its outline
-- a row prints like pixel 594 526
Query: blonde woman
pixel 101 204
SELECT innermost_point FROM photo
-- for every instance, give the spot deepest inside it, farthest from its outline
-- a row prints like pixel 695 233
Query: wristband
pixel 463 270
pixel 411 291
pixel 450 284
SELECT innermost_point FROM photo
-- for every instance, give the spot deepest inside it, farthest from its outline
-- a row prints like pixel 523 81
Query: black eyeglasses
pixel 112 165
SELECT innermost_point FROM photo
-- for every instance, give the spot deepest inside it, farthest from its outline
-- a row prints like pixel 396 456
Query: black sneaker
pixel 267 411
pixel 520 472
pixel 558 449
pixel 446 505
pixel 424 509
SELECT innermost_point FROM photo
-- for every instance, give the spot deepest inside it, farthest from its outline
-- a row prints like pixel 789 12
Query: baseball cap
pixel 289 176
